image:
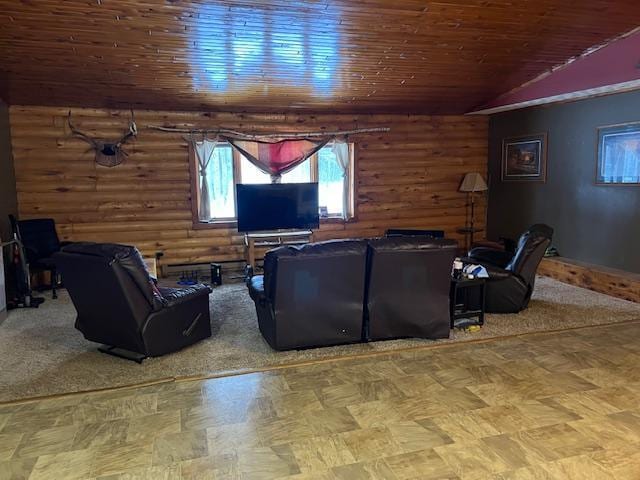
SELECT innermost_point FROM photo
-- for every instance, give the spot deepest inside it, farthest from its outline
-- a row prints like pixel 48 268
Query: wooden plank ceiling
pixel 420 56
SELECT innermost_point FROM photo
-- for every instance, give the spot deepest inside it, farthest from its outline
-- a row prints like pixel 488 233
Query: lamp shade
pixel 473 182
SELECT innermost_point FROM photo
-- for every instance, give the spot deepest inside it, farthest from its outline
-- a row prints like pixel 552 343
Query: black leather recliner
pixel 501 258
pixel 119 304
pixel 408 287
pixel 512 275
pixel 311 295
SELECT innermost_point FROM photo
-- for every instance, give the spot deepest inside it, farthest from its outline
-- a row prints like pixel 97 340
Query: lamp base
pixel 468 233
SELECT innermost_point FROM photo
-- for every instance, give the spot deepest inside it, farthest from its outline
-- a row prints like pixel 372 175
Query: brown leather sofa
pixel 347 291
pixel 408 283
pixel 312 295
pixel 119 305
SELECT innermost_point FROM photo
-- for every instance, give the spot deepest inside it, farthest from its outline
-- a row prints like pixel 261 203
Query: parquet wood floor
pixel 542 406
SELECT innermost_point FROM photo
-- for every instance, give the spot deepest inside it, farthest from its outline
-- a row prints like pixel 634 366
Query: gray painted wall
pixel 596 224
pixel 8 202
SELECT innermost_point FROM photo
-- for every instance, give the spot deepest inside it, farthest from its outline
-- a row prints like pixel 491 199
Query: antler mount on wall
pixel 108 153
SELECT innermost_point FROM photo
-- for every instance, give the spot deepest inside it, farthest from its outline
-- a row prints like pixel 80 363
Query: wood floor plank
pixel 536 407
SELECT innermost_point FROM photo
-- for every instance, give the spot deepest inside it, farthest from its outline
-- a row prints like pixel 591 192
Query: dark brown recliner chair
pixel 408 287
pixel 512 276
pixel 119 305
pixel 501 258
pixel 312 295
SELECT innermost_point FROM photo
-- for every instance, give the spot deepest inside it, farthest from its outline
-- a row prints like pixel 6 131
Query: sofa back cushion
pixel 408 287
pixel 111 306
pixel 129 259
pixel 531 248
pixel 317 292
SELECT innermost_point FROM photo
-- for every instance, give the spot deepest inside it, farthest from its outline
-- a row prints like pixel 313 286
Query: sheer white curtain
pixel 204 151
pixel 340 149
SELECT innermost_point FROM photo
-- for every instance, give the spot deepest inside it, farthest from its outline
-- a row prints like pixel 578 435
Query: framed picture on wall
pixel 619 155
pixel 524 159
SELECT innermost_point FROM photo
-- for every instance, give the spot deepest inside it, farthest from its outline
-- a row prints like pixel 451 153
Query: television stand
pixel 271 240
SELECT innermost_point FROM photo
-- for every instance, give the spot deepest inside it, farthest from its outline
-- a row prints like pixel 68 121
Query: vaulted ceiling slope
pixel 408 56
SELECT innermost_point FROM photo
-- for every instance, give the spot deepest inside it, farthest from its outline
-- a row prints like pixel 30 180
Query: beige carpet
pixel 42 354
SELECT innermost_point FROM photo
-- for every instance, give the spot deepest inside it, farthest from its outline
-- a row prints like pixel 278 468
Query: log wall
pixel 407 177
pixel 611 281
pixel 8 201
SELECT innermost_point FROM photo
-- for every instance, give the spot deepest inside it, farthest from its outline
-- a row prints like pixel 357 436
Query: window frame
pixel 600 156
pixel 237 178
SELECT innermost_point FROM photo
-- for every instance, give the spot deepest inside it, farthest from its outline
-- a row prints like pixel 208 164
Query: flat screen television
pixel 277 206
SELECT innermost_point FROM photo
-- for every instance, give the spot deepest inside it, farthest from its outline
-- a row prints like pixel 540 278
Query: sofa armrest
pixel 256 288
pixel 483 255
pixel 177 296
pixel 497 273
pixel 264 310
pixel 510 244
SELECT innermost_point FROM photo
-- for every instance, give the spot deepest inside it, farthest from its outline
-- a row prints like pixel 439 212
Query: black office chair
pixel 40 241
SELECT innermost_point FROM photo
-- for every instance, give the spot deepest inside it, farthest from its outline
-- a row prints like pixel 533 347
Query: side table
pixel 272 240
pixel 466 299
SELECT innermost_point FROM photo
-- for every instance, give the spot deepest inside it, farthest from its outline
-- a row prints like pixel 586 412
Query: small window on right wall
pixel 335 191
pixel 619 155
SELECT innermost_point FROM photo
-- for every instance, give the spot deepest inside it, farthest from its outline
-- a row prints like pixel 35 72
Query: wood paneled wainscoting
pixel 408 177
pixel 614 282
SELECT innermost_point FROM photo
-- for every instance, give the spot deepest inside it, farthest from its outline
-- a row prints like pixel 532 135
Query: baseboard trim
pixel 271 368
pixel 53 396
pixel 434 346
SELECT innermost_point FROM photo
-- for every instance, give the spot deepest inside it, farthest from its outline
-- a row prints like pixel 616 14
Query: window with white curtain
pixel 619 155
pixel 332 167
pixel 221 187
pixel 333 193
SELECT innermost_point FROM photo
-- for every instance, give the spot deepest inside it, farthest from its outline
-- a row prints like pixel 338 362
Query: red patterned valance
pixel 277 157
